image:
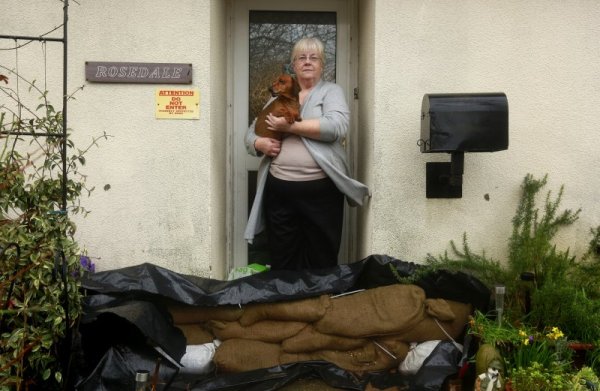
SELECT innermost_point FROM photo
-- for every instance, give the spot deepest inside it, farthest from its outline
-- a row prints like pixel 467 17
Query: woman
pixel 302 179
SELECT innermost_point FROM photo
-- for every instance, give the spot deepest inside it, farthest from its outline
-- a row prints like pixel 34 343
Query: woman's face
pixel 308 65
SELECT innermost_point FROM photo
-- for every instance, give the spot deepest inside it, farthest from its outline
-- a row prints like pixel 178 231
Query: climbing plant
pixel 39 257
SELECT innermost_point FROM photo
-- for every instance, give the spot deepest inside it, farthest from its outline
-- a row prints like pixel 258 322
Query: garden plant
pixel 39 257
pixel 551 301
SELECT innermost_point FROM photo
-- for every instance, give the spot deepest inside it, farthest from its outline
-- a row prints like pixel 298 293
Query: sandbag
pixel 365 359
pixel 378 311
pixel 305 310
pixel 430 329
pixel 272 331
pixel 396 346
pixel 240 355
pixel 439 309
pixel 195 334
pixel 310 340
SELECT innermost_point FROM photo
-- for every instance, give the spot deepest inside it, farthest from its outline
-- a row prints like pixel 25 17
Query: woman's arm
pixel 250 140
pixel 326 118
pixel 258 146
pixel 310 128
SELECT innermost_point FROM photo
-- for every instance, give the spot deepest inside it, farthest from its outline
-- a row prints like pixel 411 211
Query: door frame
pixel 238 159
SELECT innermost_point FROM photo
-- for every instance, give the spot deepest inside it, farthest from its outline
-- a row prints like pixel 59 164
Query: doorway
pixel 263 33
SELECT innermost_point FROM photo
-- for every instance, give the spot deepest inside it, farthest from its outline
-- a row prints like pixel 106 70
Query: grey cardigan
pixel 327 102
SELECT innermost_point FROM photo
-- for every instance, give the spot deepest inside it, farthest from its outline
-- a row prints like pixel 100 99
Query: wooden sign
pixel 138 72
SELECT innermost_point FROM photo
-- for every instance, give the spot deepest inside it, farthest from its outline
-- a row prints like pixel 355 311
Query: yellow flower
pixel 555 333
pixel 526 341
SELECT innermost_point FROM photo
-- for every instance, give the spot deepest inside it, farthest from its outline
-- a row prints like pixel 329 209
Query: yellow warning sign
pixel 177 104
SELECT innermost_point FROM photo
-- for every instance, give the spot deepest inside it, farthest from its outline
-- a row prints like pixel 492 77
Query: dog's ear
pixel 295 86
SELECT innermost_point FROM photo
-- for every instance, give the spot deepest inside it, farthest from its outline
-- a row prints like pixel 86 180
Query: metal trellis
pixel 60 260
pixel 63 136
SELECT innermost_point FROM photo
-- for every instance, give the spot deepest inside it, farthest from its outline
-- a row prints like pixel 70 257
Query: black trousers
pixel 304 223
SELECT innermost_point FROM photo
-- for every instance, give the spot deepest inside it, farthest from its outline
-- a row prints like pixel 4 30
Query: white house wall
pixel 167 201
pixel 544 55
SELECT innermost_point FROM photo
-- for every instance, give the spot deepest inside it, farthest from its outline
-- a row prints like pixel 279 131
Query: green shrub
pixel 40 264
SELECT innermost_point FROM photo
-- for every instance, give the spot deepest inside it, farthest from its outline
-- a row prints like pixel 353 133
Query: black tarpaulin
pixel 111 295
pixel 147 280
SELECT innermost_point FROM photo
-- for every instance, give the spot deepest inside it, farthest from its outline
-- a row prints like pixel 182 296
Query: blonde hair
pixel 311 44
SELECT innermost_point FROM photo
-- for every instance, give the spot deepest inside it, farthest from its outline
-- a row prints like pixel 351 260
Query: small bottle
pixel 142 378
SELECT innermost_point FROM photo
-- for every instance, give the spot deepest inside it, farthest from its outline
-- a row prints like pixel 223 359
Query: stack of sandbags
pixel 367 331
pixel 254 341
pixel 192 320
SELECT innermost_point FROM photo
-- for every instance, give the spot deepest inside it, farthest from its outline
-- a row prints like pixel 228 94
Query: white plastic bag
pixel 198 359
pixel 416 356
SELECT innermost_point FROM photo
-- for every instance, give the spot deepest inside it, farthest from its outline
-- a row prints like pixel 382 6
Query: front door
pixel 264 32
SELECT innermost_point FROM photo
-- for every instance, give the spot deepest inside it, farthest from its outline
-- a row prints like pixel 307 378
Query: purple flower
pixel 87 264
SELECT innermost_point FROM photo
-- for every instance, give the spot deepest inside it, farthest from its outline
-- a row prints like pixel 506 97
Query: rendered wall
pixel 164 179
pixel 543 54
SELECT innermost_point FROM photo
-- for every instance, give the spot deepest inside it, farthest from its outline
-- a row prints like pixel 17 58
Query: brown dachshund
pixel 286 89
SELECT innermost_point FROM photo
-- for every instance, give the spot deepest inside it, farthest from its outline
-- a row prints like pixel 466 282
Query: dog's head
pixel 285 85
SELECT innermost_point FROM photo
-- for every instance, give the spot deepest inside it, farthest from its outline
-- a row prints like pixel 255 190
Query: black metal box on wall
pixel 455 124
pixel 475 122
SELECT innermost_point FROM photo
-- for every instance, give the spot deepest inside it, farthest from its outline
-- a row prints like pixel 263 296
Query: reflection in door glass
pixel 272 35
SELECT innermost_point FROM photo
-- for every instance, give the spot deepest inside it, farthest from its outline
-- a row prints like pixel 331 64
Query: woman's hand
pixel 277 124
pixel 268 146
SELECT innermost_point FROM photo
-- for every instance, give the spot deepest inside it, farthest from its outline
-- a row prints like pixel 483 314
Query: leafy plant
pixel 536 377
pixel 585 379
pixel 539 377
pixel 544 285
pixel 587 272
pixel 569 306
pixel 486 270
pixel 530 246
pixel 593 252
pixel 521 346
pixel 39 288
pixel 489 331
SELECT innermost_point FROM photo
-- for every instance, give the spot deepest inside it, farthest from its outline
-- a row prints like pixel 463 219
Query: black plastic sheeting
pixel 124 322
pixel 117 367
pixel 436 369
